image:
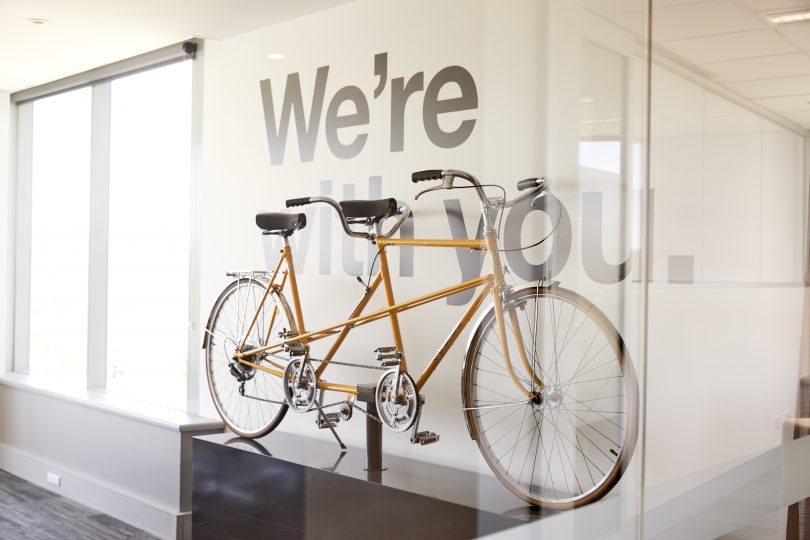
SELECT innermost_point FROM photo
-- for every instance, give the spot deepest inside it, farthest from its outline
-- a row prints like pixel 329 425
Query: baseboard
pixel 152 518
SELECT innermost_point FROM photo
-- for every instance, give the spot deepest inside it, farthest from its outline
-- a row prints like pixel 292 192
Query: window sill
pixel 143 412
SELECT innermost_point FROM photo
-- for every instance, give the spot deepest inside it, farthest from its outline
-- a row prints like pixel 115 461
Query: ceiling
pixel 83 34
pixel 728 41
pixel 731 43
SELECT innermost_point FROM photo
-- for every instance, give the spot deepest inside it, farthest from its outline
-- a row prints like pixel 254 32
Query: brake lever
pixel 447 183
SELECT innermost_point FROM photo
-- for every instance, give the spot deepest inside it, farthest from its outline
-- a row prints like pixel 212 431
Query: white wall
pixel 5 231
pixel 723 361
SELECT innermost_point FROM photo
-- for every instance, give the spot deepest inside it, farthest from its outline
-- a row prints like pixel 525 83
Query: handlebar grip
pixel 528 183
pixel 297 202
pixel 430 174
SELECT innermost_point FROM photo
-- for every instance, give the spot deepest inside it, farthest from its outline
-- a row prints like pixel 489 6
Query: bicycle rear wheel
pixel 249 400
pixel 566 444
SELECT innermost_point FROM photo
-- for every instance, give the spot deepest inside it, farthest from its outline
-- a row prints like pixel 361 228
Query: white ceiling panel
pixel 615 7
pixel 83 34
pixel 787 103
pixel 798 34
pixel 749 44
pixel 787 86
pixel 774 5
pixel 763 67
pixel 703 19
pixel 801 117
pixel 635 22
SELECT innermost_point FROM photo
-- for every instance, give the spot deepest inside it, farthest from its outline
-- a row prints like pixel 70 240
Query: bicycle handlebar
pixel 430 174
pixel 297 202
pixel 537 185
pixel 403 212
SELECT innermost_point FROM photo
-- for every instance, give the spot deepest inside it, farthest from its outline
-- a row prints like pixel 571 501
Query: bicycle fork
pixel 498 299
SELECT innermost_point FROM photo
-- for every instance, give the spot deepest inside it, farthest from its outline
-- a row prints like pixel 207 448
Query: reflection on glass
pixel 147 331
pixel 60 208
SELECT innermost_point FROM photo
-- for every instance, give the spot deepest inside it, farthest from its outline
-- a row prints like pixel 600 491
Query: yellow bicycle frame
pixel 492 284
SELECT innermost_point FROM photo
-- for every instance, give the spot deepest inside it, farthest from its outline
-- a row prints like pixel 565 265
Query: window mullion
pixel 99 237
pixel 194 335
pixel 22 269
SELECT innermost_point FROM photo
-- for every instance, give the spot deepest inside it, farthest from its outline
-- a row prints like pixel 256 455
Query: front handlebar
pixel 448 176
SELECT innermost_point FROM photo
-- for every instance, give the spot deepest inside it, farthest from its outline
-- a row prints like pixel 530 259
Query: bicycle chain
pixel 334 363
pixel 349 364
pixel 335 404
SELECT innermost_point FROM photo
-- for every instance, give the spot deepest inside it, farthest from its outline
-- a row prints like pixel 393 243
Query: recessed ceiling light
pixel 789 17
pixel 275 56
pixel 39 22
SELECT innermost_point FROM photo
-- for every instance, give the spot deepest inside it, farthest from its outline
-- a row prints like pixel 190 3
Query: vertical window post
pixel 99 234
pixel 22 269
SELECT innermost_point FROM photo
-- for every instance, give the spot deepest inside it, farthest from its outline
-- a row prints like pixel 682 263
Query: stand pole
pixel 374 466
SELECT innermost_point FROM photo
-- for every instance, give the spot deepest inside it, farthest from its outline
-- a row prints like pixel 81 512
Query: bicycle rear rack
pixel 249 274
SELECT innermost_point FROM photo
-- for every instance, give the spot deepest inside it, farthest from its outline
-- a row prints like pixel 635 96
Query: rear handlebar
pixel 403 211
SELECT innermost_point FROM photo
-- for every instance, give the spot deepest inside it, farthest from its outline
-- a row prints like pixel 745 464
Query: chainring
pixel 397 400
pixel 300 386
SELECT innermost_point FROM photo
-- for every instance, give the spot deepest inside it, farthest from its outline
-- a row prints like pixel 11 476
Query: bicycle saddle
pixel 280 223
pixel 368 211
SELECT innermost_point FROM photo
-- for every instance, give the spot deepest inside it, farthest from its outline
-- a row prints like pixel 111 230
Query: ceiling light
pixel 275 56
pixel 39 22
pixel 789 17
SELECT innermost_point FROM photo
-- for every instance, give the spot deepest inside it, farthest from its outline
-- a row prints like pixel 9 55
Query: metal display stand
pixel 374 466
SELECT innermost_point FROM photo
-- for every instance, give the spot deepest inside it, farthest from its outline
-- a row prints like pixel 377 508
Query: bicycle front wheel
pixel 563 443
pixel 249 400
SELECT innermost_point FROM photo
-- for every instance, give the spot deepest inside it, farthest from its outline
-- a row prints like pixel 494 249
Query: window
pixel 60 210
pixel 104 184
pixel 147 293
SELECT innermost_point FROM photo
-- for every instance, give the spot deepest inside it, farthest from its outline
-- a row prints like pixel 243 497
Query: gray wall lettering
pixel 400 92
pixel 469 261
pixel 334 122
pixel 325 228
pixel 433 106
pixel 308 125
pixel 293 104
pixel 351 266
pixel 381 72
pixel 562 239
pixel 593 260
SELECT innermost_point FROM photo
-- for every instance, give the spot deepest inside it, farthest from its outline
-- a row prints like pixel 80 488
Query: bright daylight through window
pixel 60 206
pixel 140 125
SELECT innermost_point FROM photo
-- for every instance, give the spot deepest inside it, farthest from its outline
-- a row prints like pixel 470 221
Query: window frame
pixel 100 82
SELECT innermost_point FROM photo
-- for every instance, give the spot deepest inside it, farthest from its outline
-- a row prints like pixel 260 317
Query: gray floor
pixel 28 511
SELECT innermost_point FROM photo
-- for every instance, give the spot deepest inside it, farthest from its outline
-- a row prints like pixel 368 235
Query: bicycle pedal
pixel 388 356
pixel 331 420
pixel 425 437
pixel 296 348
pixel 390 363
